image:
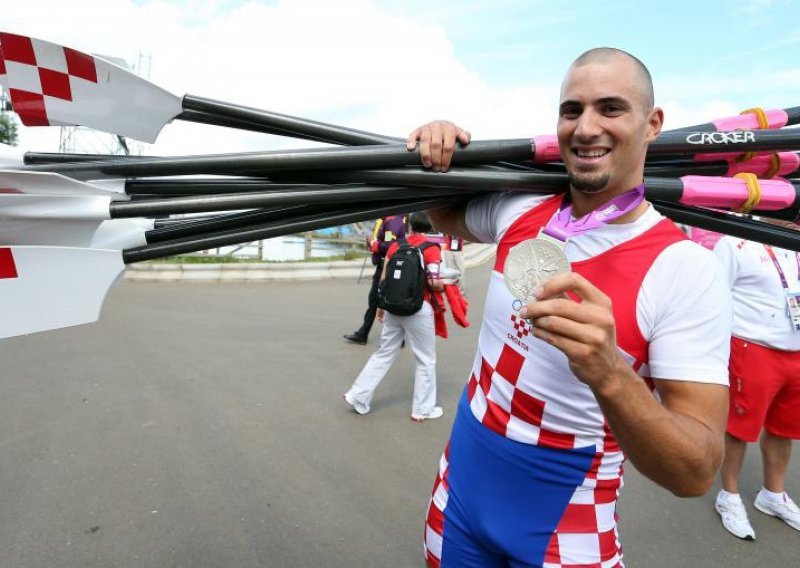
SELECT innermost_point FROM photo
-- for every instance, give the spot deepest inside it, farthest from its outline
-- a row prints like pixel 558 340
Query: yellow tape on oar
pixel 753 192
pixel 774 166
pixel 761 116
pixel 763 124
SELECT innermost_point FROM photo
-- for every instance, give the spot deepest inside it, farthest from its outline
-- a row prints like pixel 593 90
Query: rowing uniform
pixel 531 473
pixel 765 347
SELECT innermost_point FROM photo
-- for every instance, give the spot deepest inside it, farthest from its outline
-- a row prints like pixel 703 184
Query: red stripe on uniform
pixel 608 545
pixel 550 439
pixel 527 407
pixel 496 418
pixel 578 518
pixel 509 365
pixel 81 65
pixel 8 269
pixel 18 48
pixel 30 107
pixel 435 518
pixel 10 190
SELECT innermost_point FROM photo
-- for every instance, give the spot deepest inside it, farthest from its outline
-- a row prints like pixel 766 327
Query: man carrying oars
pixel 561 390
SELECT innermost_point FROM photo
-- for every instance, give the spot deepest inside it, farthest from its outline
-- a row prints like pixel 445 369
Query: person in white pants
pixel 418 329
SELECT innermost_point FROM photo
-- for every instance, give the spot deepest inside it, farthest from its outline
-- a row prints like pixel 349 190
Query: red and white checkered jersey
pixel 672 314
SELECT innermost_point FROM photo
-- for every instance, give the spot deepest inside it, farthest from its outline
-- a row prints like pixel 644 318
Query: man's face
pixel 604 126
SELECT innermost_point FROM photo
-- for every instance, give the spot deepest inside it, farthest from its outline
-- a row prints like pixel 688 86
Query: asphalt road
pixel 202 426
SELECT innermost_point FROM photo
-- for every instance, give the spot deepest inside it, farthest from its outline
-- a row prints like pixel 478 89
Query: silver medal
pixel 530 263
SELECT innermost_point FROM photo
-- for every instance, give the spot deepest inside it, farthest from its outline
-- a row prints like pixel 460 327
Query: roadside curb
pixel 475 254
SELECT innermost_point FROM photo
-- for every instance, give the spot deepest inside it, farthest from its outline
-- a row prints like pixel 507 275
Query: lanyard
pixel 563 227
pixel 771 254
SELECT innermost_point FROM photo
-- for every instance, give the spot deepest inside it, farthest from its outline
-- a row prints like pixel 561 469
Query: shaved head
pixel 609 54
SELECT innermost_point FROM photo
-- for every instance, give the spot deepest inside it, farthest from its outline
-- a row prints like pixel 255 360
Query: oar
pixel 131 105
pixel 748 120
pixel 780 164
pixel 332 218
pixel 261 163
pixel 43 288
pixel 46 287
pixel 136 108
pixel 741 227
pixel 698 191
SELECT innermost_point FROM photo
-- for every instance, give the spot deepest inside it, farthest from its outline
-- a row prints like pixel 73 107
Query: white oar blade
pixel 116 234
pixel 43 288
pixel 52 85
pixel 49 183
pixel 22 206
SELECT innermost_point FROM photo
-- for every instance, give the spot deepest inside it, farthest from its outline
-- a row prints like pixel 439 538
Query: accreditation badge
pixel 793 307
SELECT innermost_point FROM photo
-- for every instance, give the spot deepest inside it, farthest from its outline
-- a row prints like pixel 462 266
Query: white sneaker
pixel 786 510
pixel 734 517
pixel 357 406
pixel 437 412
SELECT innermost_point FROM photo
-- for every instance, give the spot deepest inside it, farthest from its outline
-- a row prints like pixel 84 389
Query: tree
pixel 8 130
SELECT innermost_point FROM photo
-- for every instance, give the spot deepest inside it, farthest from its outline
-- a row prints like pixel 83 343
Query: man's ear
pixel 655 121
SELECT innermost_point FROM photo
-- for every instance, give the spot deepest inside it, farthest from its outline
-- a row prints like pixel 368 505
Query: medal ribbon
pixel 563 227
pixel 771 254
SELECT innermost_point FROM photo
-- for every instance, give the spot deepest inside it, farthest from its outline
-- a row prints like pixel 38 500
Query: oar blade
pixel 44 288
pixel 53 85
pixel 50 183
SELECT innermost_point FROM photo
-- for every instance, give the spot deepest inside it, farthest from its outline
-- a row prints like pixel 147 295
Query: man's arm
pixel 676 442
pixel 437 142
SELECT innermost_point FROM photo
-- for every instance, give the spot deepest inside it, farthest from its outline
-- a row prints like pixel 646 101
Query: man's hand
pixel 380 314
pixel 584 331
pixel 437 142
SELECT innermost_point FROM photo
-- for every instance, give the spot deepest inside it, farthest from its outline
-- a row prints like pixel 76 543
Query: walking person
pixel 387 230
pixel 418 328
pixel 764 378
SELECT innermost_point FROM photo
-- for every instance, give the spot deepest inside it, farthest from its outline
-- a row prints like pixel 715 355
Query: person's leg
pixel 780 428
pixel 747 409
pixel 362 333
pixel 735 450
pixel 360 394
pixel 422 339
pixel 775 453
pixel 773 499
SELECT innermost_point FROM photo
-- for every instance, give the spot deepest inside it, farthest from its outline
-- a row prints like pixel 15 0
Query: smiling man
pixel 561 390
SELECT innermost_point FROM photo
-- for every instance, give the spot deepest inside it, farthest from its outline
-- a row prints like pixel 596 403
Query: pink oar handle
pixel 788 162
pixel 776 118
pixel 731 193
pixel 545 147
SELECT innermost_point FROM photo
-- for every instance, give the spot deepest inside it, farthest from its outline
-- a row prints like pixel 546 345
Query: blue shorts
pixel 505 498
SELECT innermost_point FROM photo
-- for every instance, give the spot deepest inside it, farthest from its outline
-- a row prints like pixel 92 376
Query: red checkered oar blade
pixel 52 85
pixel 43 288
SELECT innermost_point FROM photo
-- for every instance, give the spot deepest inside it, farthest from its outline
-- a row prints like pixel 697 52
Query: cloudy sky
pixel 388 65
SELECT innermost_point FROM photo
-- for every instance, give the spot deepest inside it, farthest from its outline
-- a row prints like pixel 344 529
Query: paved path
pixel 201 426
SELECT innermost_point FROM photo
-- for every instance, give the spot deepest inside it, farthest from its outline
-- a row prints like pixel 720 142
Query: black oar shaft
pixel 479 152
pixel 735 226
pixel 203 204
pixel 275 229
pixel 291 125
pixel 216 120
pixel 195 227
pixel 690 143
pixel 455 178
pixel 208 187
